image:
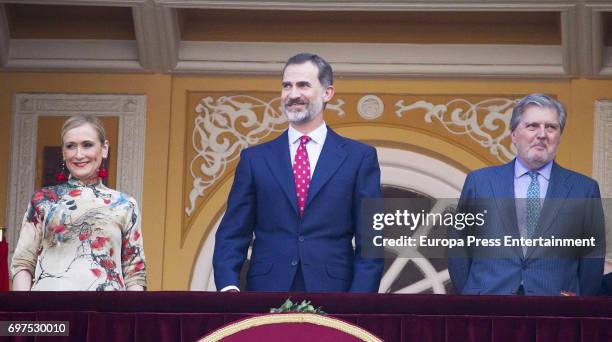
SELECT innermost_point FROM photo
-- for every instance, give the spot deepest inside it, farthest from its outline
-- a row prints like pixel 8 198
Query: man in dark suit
pixel 300 196
pixel 529 198
pixel 606 285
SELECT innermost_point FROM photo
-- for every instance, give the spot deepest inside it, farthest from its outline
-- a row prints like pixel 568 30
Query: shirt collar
pixel 520 169
pixel 73 181
pixel 318 135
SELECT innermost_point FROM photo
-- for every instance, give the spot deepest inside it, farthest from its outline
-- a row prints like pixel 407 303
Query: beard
pixel 311 110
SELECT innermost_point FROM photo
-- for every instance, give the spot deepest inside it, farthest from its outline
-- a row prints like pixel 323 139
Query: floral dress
pixel 81 237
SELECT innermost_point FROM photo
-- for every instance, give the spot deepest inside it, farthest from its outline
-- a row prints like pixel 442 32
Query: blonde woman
pixel 80 235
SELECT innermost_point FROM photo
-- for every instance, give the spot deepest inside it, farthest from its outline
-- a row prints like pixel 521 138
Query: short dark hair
pixel 539 100
pixel 325 76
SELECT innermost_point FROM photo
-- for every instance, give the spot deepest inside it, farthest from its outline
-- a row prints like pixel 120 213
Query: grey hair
pixel 325 75
pixel 82 119
pixel 539 100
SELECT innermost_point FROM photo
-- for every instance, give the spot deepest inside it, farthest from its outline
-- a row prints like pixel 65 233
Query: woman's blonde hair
pixel 82 119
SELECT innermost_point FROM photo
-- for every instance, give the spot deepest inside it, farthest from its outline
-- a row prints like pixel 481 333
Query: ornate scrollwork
pixel 487 122
pixel 226 125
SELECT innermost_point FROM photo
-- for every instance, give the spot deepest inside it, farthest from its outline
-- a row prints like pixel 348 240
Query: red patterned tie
pixel 301 174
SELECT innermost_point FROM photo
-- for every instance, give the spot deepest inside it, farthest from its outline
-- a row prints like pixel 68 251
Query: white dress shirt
pixel 313 147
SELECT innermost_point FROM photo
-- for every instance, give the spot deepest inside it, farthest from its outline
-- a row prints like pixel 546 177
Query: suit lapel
pixel 558 188
pixel 503 192
pixel 279 162
pixel 332 156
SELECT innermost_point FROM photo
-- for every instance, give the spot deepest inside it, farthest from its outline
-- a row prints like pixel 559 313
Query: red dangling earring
pixel 60 177
pixel 102 171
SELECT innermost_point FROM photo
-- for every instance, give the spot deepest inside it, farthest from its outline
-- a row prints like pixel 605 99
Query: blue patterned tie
pixel 533 203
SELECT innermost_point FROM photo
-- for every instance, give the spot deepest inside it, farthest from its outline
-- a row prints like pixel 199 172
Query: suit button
pixel 301 238
pixel 294 263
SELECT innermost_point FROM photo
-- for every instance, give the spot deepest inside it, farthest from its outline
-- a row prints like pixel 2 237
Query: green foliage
pixel 289 306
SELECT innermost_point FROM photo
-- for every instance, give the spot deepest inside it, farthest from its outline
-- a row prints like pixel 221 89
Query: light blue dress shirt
pixel 521 183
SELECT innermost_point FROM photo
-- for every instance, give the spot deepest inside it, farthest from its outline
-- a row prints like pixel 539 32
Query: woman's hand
pixel 135 288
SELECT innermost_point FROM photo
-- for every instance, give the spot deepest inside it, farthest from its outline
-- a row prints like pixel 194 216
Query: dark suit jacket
pixel 572 209
pixel 606 285
pixel 263 201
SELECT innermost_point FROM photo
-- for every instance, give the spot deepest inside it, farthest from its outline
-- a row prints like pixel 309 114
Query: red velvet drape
pixel 4 275
pixel 94 327
pixel 187 316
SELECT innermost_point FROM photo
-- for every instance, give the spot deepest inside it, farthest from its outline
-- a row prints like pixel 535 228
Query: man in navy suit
pixel 300 196
pixel 529 198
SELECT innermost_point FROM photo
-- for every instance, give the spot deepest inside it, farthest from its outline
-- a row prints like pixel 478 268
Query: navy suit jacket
pixel 263 203
pixel 606 285
pixel 572 209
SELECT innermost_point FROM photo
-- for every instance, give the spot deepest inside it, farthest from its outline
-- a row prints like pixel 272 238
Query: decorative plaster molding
pixel 158 46
pixel 370 107
pixel 84 2
pixel 336 107
pixel 146 31
pixel 606 63
pixel 446 5
pixel 131 110
pixel 376 59
pixel 219 134
pixel 386 60
pixel 598 61
pixel 602 147
pixel 169 38
pixel 460 117
pixel 138 55
pixel 73 54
